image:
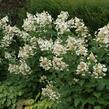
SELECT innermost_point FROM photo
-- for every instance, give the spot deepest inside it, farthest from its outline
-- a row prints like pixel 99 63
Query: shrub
pixel 68 66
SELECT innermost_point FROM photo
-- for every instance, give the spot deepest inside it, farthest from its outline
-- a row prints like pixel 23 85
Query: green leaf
pixel 97 95
pixel 101 85
pixel 97 107
pixel 77 101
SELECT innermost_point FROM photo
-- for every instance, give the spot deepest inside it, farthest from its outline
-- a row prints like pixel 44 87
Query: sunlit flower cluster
pixel 25 51
pixel 99 70
pixel 45 44
pixel 82 68
pixel 32 22
pixel 58 48
pixel 9 33
pixel 56 63
pixel 45 63
pixel 62 25
pixel 21 68
pixel 71 43
pixel 3 22
pixel 102 36
pixel 92 57
pixel 49 92
pixel 80 27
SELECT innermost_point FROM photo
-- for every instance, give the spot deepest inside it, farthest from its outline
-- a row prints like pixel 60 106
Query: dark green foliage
pixel 14 9
pixel 85 95
pixel 17 88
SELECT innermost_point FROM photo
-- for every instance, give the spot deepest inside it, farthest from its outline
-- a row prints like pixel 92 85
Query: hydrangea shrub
pixel 70 62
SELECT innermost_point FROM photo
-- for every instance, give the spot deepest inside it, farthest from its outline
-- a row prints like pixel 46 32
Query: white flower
pixel 58 64
pixel 63 15
pixel 3 22
pixel 34 42
pixel 45 63
pixel 43 18
pixel 58 48
pixel 6 41
pixel 49 92
pixel 26 37
pixel 29 23
pixel 82 68
pixel 8 55
pixel 99 70
pixel 10 32
pixel 24 68
pixel 21 68
pixel 43 78
pixel 82 50
pixel 25 51
pixel 62 25
pixel 80 27
pixel 13 68
pixel 103 35
pixel 34 21
pixel 71 43
pixel 45 44
pixel 92 57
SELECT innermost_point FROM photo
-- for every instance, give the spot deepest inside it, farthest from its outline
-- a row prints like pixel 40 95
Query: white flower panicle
pixel 102 36
pixel 80 27
pixel 25 51
pixel 63 15
pixel 8 55
pixel 71 43
pixel 10 32
pixel 6 41
pixel 77 45
pixel 99 70
pixel 34 42
pixel 21 68
pixel 58 64
pixel 3 22
pixel 29 23
pixel 92 57
pixel 82 50
pixel 62 25
pixel 24 68
pixel 43 18
pixel 25 36
pixel 58 48
pixel 13 68
pixel 43 78
pixel 45 44
pixel 49 92
pixel 82 68
pixel 34 21
pixel 45 63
